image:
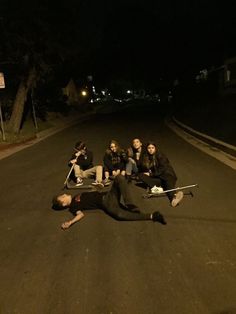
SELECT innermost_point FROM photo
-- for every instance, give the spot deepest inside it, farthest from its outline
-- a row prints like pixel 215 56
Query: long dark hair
pixel 149 161
pixel 119 149
pixel 80 145
pixel 150 143
pixel 56 204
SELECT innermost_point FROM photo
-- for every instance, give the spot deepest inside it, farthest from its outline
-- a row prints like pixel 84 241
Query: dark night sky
pixel 168 37
pixel 141 39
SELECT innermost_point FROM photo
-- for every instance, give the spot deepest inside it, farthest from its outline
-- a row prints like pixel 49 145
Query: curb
pixel 55 129
pixel 228 148
pixel 221 151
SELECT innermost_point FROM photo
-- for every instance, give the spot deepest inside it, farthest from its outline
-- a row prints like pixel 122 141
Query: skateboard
pixel 87 185
pixel 71 185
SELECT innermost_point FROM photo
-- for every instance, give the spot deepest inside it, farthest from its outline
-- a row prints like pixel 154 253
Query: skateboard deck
pixel 87 185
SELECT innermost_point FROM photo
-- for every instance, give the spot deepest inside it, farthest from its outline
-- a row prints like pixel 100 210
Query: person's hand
pixel 66 225
pixel 116 172
pixel 147 173
pixel 73 161
pixel 78 153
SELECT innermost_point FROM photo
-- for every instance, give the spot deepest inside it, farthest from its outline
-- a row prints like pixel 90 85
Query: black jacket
pixel 157 165
pixel 114 161
pixel 84 161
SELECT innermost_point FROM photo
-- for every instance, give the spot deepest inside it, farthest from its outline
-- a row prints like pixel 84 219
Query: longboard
pixel 87 185
pixel 73 186
pixel 150 194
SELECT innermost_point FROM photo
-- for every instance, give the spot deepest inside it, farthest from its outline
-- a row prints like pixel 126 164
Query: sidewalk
pixel 7 149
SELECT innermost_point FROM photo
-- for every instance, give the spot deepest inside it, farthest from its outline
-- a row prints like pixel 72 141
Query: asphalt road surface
pixel 103 266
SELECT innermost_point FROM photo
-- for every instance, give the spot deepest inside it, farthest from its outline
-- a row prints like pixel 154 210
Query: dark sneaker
pixel 156 216
pixel 79 181
pixel 177 198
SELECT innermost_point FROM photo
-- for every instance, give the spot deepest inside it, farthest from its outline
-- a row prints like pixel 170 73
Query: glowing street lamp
pixel 84 93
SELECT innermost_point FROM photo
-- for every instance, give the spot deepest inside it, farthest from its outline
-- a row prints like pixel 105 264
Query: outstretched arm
pixel 67 224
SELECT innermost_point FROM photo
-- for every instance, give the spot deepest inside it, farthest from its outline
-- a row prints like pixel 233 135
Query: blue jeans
pixel 131 168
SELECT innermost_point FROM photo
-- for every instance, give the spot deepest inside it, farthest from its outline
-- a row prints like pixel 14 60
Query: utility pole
pixel 2 85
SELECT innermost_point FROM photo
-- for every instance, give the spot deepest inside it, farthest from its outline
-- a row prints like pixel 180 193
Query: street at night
pixel 101 265
pixel 108 110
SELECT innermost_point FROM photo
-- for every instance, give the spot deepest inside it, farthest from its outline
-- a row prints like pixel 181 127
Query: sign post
pixel 2 85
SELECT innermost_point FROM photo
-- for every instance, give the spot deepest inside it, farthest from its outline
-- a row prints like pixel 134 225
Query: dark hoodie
pixel 114 161
pixel 84 161
pixel 157 165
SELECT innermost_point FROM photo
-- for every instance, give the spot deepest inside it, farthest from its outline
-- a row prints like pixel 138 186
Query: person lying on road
pixel 110 202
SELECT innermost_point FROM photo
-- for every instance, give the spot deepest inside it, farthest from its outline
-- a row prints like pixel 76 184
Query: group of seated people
pixel 141 162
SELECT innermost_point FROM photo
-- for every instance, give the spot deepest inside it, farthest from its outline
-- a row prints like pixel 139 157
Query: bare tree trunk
pixel 19 103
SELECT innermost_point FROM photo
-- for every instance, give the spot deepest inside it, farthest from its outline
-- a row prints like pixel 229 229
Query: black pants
pixel 112 205
pixel 167 184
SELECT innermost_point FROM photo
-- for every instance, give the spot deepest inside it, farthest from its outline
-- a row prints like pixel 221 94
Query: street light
pixel 84 93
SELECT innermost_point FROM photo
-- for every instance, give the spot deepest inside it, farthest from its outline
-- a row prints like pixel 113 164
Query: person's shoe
pixel 79 181
pixel 106 182
pixel 156 190
pixel 156 216
pixel 177 198
pixel 98 184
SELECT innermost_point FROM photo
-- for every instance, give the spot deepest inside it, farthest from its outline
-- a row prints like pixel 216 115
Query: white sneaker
pixel 98 184
pixel 156 190
pixel 79 181
pixel 106 182
pixel 177 198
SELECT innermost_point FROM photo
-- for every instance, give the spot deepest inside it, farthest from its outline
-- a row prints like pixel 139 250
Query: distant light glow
pixel 83 93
